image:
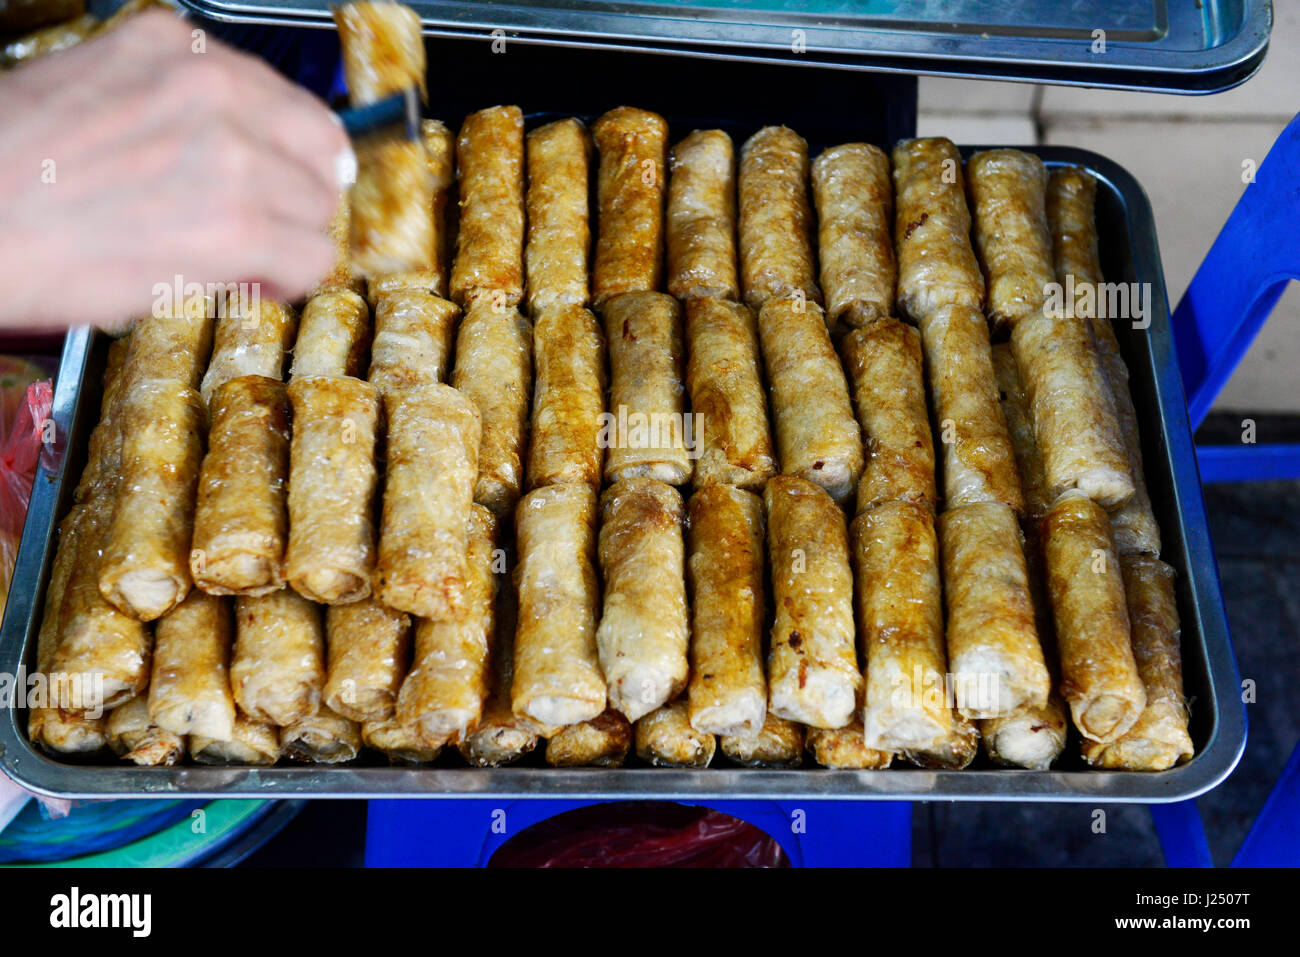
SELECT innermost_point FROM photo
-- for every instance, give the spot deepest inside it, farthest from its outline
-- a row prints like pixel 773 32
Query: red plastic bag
pixel 24 417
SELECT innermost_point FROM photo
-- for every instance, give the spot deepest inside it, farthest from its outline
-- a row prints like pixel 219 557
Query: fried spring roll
pixel 368 647
pixel 67 732
pixel 190 689
pixel 559 234
pixel 277 669
pixel 644 626
pixel 144 569
pixel 322 738
pixel 602 742
pixel 994 654
pixel 979 463
pixel 855 215
pixel 133 737
pixel 778 744
pixel 1071 219
pixel 494 369
pixel 1020 427
pixel 630 186
pixel 331 335
pixel 568 398
pixel 398 742
pixel 241 520
pixel 1136 530
pixel 900 619
pixel 383 50
pixel 936 263
pixel 724 378
pixel 957 751
pixel 728 692
pixel 846 748
pixel 646 393
pixel 1100 678
pixel 665 738
pixel 816 435
pixel 557 677
pixel 176 344
pixel 340 274
pixel 1159 738
pixel 253 743
pixel 252 338
pixel 702 217
pixel 490 243
pixel 812 665
pixel 1008 193
pixel 776 220
pixel 414 335
pixel 332 480
pixel 443 696
pixel 885 374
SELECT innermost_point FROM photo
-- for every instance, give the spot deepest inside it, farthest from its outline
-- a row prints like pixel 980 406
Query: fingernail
pixel 345 167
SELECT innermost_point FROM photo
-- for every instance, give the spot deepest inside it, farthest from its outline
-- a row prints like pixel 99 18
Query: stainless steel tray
pixel 1177 46
pixel 1130 254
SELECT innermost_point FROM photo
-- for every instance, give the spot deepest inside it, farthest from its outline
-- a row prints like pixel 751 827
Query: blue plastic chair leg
pixel 1182 835
pixel 1248 463
pixel 1274 839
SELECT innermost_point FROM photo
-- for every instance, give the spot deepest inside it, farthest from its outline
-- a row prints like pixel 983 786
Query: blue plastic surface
pixel 1182 835
pixel 1274 839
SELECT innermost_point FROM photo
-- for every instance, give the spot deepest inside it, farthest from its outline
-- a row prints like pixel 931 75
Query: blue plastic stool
pixel 1274 839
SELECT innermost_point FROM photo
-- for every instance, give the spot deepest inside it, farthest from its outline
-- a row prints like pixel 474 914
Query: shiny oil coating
pixel 630 186
pixel 559 231
pixel 241 520
pixel 253 743
pixel 277 669
pixel 339 232
pixel 564 443
pixel 1159 739
pixel 391 227
pixel 936 263
pixel 1134 523
pixel 956 752
pixel 494 369
pixel 252 338
pixel 1100 680
pixel 398 742
pixel 702 217
pixel 1020 426
pixel 176 344
pixel 490 242
pixel 332 335
pixel 1008 194
pixel 1029 737
pixel 451 672
pixel 1071 219
pixel 816 435
pixel 994 654
pixel 665 738
pixel 368 650
pixel 647 422
pixel 557 677
pixel 725 380
pixel 855 216
pixel 728 690
pixel 979 464
pixel 776 219
pixel 900 620
pixel 886 377
pixel 778 744
pixel 332 481
pixel 134 738
pixel 189 692
pixel 383 50
pixel 414 334
pixel 322 738
pixel 602 742
pixel 846 748
pixel 812 665
pixel 644 626
pixel 434 436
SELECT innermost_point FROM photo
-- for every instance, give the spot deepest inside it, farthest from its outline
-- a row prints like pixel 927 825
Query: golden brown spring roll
pixel 602 742
pixel 1008 194
pixel 665 738
pixel 812 665
pixel 994 655
pixel 725 381
pixel 50 39
pixel 339 232
pixel 253 743
pixel 189 692
pixel 776 219
pixel 900 620
pixel 490 243
pixel 630 185
pixel 564 443
pixel 494 370
pixel 368 648
pixel 559 234
pixel 644 626
pixel 1071 219
pixel 322 738
pixel 252 338
pixel 443 696
pixel 728 692
pixel 846 748
pixel 957 751
pixel 1136 530
pixel 557 677
pixel 414 335
pixel 174 344
pixel 647 421
pixel 855 217
pixel 332 335
pixel 1020 427
pixel 936 263
pixel 383 50
pixel 778 744
pixel 332 480
pixel 816 435
pixel 1100 679
pixel 702 217
pixel 277 669
pixel 133 737
pixel 241 520
pixel 67 732
pixel 979 463
pixel 398 742
pixel 885 374
pixel 1159 738
pixel 144 568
